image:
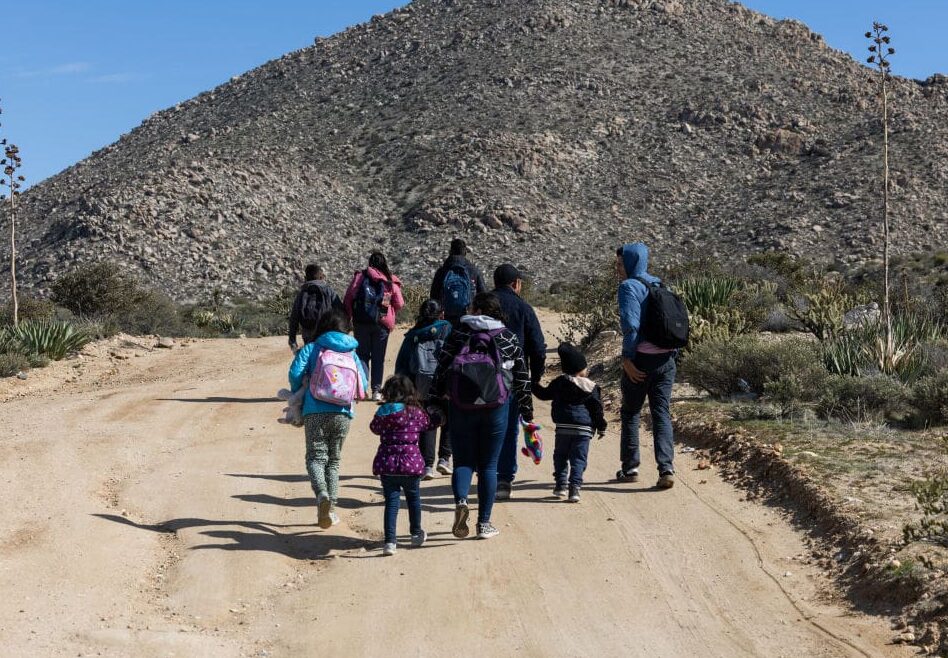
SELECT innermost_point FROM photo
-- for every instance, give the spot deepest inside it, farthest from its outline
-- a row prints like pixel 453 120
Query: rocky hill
pixel 544 131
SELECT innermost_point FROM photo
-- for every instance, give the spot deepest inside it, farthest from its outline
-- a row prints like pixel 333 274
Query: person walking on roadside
pixel 522 321
pixel 372 301
pixel 336 380
pixel 456 283
pixel 315 298
pixel 481 373
pixel 648 369
pixel 418 360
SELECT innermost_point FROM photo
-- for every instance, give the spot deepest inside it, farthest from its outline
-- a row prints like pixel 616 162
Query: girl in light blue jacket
pixel 326 424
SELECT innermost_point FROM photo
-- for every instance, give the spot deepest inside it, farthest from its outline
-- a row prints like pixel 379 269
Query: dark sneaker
pixel 627 476
pixel 503 490
pixel 560 491
pixel 418 540
pixel 461 512
pixel 574 494
pixel 486 530
pixel 666 481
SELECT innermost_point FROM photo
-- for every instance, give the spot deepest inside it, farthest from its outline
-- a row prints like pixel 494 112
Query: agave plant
pixel 705 294
pixel 53 340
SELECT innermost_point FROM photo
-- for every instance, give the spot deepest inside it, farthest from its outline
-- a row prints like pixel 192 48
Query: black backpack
pixel 665 323
pixel 316 301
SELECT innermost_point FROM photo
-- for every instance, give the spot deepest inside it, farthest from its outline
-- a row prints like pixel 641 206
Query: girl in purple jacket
pixel 399 422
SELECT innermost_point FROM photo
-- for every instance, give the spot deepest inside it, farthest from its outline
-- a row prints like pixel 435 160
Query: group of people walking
pixel 469 369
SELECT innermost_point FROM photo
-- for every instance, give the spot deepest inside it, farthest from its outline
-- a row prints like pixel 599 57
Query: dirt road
pixel 154 507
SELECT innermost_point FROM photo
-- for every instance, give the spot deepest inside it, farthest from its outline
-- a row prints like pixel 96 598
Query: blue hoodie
pixel 633 296
pixel 306 360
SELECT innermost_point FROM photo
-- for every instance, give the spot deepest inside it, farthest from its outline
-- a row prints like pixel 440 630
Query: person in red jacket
pixel 372 301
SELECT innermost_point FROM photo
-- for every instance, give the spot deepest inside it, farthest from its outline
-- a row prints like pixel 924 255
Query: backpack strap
pixel 648 284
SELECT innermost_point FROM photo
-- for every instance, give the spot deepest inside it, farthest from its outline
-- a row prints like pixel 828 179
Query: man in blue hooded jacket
pixel 648 371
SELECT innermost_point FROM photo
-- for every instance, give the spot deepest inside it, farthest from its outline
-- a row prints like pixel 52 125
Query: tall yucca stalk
pixel 12 182
pixel 880 52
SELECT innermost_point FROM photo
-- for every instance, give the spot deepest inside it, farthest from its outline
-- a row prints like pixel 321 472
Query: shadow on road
pixel 221 400
pixel 309 544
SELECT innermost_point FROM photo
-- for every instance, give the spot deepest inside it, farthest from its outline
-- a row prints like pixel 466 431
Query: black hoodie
pixel 437 283
pixel 577 403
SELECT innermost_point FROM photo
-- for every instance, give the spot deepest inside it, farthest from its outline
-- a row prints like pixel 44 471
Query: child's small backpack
pixel 457 292
pixel 479 380
pixel 423 362
pixel 336 379
pixel 666 322
pixel 367 307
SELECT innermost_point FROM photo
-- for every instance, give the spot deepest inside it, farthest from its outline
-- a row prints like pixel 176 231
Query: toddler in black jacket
pixel 577 414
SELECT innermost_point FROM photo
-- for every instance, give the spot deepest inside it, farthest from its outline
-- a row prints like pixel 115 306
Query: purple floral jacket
pixel 400 428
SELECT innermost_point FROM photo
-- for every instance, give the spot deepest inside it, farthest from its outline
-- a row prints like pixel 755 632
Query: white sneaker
pixel 444 467
pixel 486 530
pixel 334 517
pixel 417 541
pixel 324 507
pixel 429 473
pixel 389 550
pixel 377 396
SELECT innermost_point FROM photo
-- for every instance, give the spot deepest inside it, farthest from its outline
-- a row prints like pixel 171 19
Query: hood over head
pixel 337 342
pixel 635 260
pixel 481 322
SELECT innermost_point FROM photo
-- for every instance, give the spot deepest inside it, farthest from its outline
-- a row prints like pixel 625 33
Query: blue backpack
pixel 367 306
pixel 458 292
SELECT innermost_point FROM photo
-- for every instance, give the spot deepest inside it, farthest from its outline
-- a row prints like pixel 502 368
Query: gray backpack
pixel 424 362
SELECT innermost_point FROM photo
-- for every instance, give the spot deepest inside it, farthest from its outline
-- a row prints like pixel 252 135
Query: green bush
pixel 99 289
pixel 53 340
pixel 12 363
pixel 819 306
pixel 931 497
pixel 748 364
pixel 864 399
pixel 930 399
pixel 592 308
pixel 703 295
pixel 30 308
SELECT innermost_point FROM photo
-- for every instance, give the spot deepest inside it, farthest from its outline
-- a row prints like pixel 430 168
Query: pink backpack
pixel 336 379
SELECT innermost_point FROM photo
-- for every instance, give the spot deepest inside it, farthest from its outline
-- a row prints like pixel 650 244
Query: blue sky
pixel 75 75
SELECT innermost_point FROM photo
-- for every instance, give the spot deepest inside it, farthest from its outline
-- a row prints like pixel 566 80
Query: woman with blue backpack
pixel 418 360
pixel 334 380
pixel 372 301
pixel 481 371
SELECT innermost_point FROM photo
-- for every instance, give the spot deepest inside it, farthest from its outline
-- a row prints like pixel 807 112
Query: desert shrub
pixel 12 363
pixel 154 313
pixel 98 289
pixel 703 295
pixel 864 399
pixel 930 399
pixel 30 308
pixel 414 296
pixel 53 340
pixel 931 498
pixel 721 306
pixel 819 307
pixel 591 308
pixel 748 363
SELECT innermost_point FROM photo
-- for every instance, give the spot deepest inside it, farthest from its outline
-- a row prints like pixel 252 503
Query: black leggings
pixel 373 341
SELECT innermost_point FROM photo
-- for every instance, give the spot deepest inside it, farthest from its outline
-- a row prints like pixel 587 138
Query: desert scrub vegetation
pixel 799 338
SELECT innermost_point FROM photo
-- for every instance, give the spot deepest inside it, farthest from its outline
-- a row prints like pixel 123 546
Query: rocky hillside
pixel 544 131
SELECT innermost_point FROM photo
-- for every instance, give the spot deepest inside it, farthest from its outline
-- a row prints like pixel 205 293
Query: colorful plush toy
pixel 533 443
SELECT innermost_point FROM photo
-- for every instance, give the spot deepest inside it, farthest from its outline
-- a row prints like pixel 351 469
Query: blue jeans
pixel 476 437
pixel 657 387
pixel 570 457
pixel 507 465
pixel 392 487
pixel 373 341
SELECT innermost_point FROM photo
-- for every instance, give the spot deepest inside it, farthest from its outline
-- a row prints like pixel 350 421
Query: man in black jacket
pixel 522 320
pixel 315 298
pixel 466 282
